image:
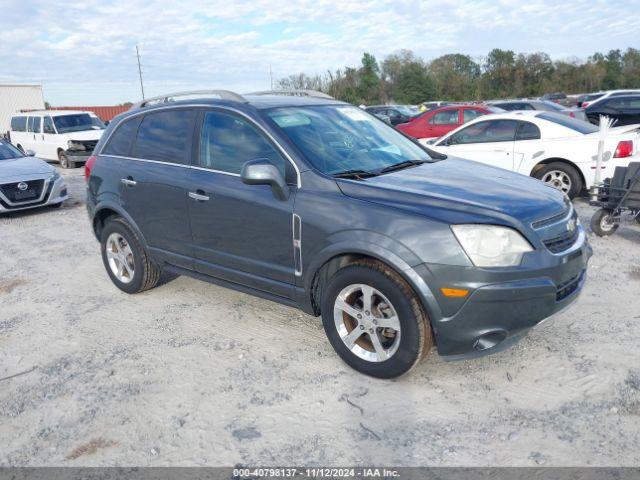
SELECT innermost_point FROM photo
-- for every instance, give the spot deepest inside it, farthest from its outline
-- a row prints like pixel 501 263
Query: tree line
pixel 403 77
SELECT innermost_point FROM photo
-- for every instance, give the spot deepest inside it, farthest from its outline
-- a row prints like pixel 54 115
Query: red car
pixel 438 122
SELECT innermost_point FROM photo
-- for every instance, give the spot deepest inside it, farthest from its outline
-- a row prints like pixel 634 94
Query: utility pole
pixel 140 72
pixel 271 77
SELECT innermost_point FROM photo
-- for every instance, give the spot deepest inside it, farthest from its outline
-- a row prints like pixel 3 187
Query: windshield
pixel 98 123
pixel 407 110
pixel 568 122
pixel 75 123
pixel 550 106
pixel 341 138
pixel 8 151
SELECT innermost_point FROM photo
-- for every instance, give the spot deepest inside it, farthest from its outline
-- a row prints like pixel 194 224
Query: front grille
pixel 15 195
pixel 548 221
pixel 44 200
pixel 89 145
pixel 562 242
pixel 567 288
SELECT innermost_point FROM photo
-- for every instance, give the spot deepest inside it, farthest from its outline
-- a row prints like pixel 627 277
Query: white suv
pixel 64 135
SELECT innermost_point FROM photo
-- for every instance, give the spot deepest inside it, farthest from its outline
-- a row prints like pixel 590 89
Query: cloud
pixel 83 51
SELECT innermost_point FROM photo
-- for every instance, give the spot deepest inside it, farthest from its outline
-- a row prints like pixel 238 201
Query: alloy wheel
pixel 367 322
pixel 558 179
pixel 120 258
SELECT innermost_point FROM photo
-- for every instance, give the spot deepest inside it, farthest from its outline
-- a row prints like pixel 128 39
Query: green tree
pixel 414 85
pixel 455 76
pixel 369 80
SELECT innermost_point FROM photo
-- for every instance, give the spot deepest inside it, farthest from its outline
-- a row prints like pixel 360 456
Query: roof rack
pixel 171 97
pixel 294 93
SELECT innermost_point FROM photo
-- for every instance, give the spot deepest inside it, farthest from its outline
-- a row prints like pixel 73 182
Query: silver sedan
pixel 27 182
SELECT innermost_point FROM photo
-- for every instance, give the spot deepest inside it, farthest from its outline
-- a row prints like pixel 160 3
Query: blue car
pixel 311 202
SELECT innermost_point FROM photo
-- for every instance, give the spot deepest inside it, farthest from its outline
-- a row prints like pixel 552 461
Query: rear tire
pixel 602 224
pixel 125 258
pixel 383 337
pixel 561 176
pixel 64 161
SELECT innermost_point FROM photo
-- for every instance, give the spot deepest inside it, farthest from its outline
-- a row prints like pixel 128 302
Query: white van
pixel 64 135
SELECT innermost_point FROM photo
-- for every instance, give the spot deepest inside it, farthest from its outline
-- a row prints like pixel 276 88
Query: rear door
pixel 152 155
pixel 30 141
pixel 241 233
pixel 18 130
pixel 489 142
pixel 526 145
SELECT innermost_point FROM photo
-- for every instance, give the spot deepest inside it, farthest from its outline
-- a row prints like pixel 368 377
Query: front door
pixel 50 140
pixel 489 142
pixel 241 233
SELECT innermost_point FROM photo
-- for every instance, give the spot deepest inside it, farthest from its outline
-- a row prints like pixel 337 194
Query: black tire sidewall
pixel 408 351
pixel 118 226
pixel 596 219
pixel 574 175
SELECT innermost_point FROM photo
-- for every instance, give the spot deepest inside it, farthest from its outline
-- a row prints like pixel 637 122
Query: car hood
pixel 23 166
pixel 457 191
pixel 85 135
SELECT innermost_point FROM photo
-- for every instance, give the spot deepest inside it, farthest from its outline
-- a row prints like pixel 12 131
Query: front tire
pixel 374 320
pixel 64 161
pixel 561 176
pixel 602 223
pixel 125 258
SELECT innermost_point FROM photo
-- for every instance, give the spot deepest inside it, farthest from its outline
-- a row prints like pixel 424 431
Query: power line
pixel 140 72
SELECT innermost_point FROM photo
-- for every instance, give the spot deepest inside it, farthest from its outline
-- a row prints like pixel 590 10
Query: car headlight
pixel 55 176
pixel 492 245
pixel 75 145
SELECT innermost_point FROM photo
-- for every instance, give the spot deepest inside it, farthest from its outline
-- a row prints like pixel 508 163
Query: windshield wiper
pixel 400 166
pixel 357 174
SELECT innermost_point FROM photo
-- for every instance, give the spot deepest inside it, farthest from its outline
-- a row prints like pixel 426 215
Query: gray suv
pixel 316 204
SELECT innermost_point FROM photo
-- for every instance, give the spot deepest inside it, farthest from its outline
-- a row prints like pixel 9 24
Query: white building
pixel 17 98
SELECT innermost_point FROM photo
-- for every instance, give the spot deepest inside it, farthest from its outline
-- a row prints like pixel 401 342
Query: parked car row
pixel 552 147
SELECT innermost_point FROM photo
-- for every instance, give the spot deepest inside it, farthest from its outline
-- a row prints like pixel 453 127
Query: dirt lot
pixel 193 374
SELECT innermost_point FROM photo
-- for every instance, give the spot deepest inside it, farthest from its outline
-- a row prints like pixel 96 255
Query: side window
pixel 486 132
pixel 527 131
pixel 121 140
pixel 469 115
pixel 227 142
pixel 165 136
pixel 34 124
pixel 612 103
pixel 446 117
pixel 19 124
pixel 48 125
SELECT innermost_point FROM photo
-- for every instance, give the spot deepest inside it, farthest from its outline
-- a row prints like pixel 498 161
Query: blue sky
pixel 83 51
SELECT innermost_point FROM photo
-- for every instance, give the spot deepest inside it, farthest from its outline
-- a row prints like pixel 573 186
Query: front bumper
pixel 503 304
pixel 77 156
pixel 54 192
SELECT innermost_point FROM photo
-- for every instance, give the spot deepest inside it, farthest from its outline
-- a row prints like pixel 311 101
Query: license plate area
pixel 28 194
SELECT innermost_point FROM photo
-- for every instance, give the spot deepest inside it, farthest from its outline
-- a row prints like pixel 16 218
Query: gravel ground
pixel 193 374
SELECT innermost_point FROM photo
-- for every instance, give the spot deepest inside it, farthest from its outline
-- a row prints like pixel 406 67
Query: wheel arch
pixel 336 259
pixel 108 210
pixel 547 161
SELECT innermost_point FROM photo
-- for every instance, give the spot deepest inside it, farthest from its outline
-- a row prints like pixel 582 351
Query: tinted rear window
pixel 19 124
pixel 165 136
pixel 568 122
pixel 121 141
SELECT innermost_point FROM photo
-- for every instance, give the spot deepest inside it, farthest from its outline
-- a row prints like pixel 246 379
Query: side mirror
pixel 30 153
pixel 262 172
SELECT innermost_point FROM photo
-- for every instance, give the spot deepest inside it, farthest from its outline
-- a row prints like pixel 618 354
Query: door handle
pixel 129 182
pixel 199 197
